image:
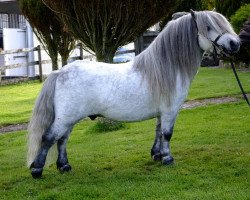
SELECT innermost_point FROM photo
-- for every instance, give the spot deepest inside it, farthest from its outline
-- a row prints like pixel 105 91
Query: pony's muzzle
pixel 234 46
pixel 231 48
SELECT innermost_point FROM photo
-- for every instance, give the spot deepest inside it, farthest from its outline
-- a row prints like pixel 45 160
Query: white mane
pixel 176 51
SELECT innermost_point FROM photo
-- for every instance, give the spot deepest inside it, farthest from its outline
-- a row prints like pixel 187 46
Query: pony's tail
pixel 42 117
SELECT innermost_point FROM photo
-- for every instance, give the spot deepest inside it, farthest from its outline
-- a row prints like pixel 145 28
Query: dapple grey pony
pixel 154 85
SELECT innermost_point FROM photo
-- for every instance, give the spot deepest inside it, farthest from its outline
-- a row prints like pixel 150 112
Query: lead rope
pixel 239 83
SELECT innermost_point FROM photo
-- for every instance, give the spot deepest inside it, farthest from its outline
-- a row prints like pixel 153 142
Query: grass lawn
pixel 17 102
pixel 215 82
pixel 210 146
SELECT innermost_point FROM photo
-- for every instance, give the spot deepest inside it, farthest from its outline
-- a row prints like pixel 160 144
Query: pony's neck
pixel 174 52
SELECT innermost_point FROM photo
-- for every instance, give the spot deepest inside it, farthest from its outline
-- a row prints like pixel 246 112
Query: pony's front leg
pixel 156 149
pixel 167 125
pixel 167 158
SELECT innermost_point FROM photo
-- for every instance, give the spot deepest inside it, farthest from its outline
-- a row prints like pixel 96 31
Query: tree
pixel 229 7
pixel 105 25
pixel 49 30
pixel 185 6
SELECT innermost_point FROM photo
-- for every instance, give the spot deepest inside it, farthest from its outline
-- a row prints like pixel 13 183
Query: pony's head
pixel 215 32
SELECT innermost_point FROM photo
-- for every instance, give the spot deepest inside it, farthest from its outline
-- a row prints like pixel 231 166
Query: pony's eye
pixel 208 28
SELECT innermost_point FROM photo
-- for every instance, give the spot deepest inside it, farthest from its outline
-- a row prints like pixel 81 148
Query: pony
pixel 153 85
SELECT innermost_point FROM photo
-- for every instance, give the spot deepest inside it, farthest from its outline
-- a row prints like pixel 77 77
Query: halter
pixel 222 50
pixel 216 46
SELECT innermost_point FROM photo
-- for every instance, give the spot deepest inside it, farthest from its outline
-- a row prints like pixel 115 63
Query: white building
pixel 16 33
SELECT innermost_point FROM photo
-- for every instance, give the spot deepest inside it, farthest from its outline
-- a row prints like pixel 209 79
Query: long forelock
pixel 213 20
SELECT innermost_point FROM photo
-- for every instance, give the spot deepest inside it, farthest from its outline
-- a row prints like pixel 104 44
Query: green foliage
pixel 49 30
pixel 238 20
pixel 240 17
pixel 229 7
pixel 103 26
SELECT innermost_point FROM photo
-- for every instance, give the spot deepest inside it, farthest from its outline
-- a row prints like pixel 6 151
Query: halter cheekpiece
pixel 214 43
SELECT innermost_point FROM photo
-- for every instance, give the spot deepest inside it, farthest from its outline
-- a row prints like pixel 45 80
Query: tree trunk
pixel 54 63
pixel 64 60
pixel 106 57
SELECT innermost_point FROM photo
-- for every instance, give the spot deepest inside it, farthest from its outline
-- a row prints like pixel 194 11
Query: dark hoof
pixel 157 157
pixel 64 168
pixel 167 160
pixel 36 172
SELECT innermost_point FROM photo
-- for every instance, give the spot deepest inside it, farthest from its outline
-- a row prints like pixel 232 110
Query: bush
pixel 240 17
pixel 238 20
pixel 106 125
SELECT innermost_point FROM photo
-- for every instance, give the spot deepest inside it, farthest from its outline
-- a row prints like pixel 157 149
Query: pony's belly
pixel 131 112
pixel 130 117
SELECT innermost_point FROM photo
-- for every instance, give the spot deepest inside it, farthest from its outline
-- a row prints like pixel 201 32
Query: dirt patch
pixel 187 105
pixel 13 128
pixel 203 102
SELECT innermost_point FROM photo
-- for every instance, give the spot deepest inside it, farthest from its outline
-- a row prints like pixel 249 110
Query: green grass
pixel 17 102
pixel 210 146
pixel 215 82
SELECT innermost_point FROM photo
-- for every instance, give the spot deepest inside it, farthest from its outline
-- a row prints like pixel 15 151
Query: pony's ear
pixel 178 14
pixel 193 14
pixel 214 9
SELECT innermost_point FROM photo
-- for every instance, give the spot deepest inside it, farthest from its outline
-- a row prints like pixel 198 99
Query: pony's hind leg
pixel 54 134
pixel 48 139
pixel 62 160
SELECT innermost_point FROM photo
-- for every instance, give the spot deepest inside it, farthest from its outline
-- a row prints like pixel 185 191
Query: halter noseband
pixel 216 46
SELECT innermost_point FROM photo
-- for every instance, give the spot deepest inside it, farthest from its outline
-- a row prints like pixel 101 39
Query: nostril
pixel 234 45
